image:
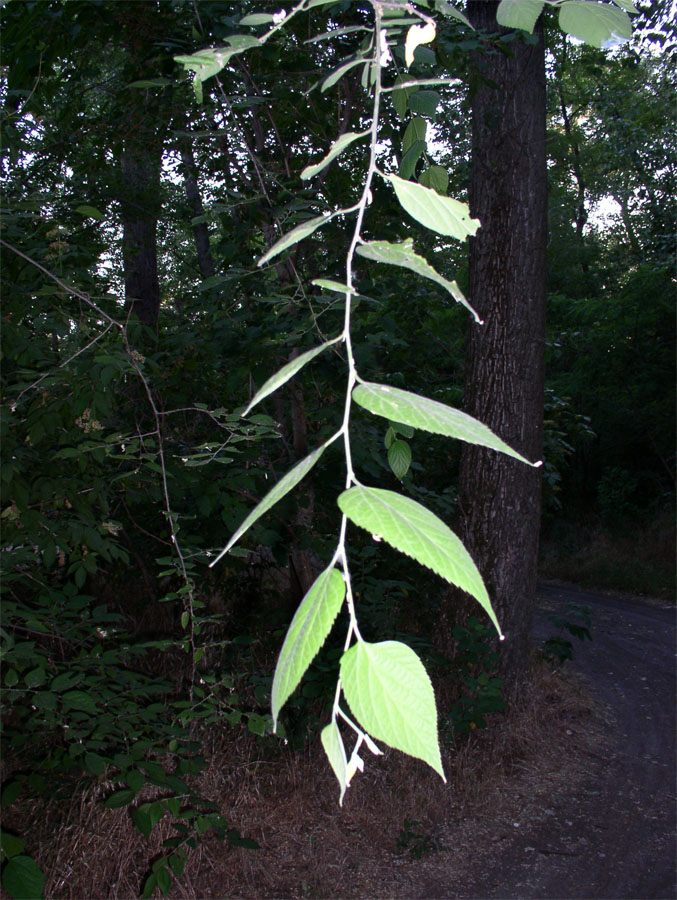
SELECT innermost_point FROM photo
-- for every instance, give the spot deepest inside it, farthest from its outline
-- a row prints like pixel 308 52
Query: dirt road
pixel 614 835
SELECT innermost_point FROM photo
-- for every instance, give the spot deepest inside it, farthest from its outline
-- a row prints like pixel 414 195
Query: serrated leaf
pixel 436 178
pixel 440 214
pixel 390 694
pixel 417 35
pixel 22 878
pixel 402 254
pixel 304 230
pixel 284 485
pixel 285 373
pixel 339 145
pixel 337 74
pixel 307 633
pixel 519 13
pixel 336 754
pixel 425 103
pixel 430 415
pixel 414 530
pixel 399 458
pixel 410 158
pixel 598 24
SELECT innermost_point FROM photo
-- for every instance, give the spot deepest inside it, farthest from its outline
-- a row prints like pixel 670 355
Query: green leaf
pixel 410 158
pixel 448 10
pixel 337 74
pixel 91 212
pixel 390 694
pixel 416 131
pixel 401 95
pixel 399 458
pixel 337 147
pixel 149 886
pixel 435 177
pixel 403 254
pixel 429 415
pixel 22 878
pixel 284 485
pixel 286 372
pixel 308 631
pixel 35 677
pixel 79 700
pixel 440 214
pixel 299 233
pixel 425 103
pixel 519 13
pixel 336 754
pixel 10 845
pixel 329 285
pixel 120 799
pixel 598 24
pixel 95 764
pixel 256 19
pixel 414 530
pixel 141 819
pixel 10 793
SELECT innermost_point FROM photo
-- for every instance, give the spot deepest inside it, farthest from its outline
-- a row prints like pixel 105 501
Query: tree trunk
pixel 140 206
pixel 205 260
pixel 500 497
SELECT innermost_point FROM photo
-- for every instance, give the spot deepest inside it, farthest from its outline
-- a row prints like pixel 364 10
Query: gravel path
pixel 615 838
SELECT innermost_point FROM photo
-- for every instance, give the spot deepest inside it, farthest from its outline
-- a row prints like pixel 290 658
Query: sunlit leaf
pixel 336 75
pixel 402 254
pixel 336 148
pixel 285 373
pixel 299 233
pixel 417 35
pixel 284 485
pixel 329 285
pixel 257 19
pixel 336 754
pixel 519 13
pixel 414 530
pixel 91 212
pixel 598 24
pixel 436 178
pixel 429 415
pixel 448 10
pixel 307 632
pixel 441 214
pixel 390 695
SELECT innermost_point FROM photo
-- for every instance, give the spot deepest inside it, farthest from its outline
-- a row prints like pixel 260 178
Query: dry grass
pixel 310 846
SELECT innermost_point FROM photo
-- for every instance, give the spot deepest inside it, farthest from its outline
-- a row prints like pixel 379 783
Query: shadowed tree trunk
pixel 500 497
pixel 205 260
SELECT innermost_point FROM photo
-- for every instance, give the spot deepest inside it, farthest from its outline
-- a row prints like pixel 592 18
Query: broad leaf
pixel 399 458
pixel 425 103
pixel 416 131
pixel 284 485
pixel 337 147
pixel 435 177
pixel 412 529
pixel 440 214
pixel 298 234
pixel 307 632
pixel 410 158
pixel 254 19
pixel 519 13
pixel 430 415
pixel 448 10
pixel 285 373
pixel 336 754
pixel 390 694
pixel 403 254
pixel 598 24
pixel 329 285
pixel 22 878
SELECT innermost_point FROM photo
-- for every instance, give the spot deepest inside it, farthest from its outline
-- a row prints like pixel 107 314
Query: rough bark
pixel 140 206
pixel 500 497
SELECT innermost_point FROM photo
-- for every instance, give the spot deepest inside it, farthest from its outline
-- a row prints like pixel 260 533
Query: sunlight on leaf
pixel 440 214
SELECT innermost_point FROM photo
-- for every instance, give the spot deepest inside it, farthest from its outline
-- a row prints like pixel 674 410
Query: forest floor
pixel 571 795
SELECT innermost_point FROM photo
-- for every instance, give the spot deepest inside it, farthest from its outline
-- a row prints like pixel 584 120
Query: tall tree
pixel 505 365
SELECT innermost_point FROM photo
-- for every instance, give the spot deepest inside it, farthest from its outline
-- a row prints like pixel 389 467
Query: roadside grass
pixel 637 559
pixel 310 847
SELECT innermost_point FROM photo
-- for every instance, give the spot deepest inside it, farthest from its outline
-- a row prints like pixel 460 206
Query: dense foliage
pixel 126 463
